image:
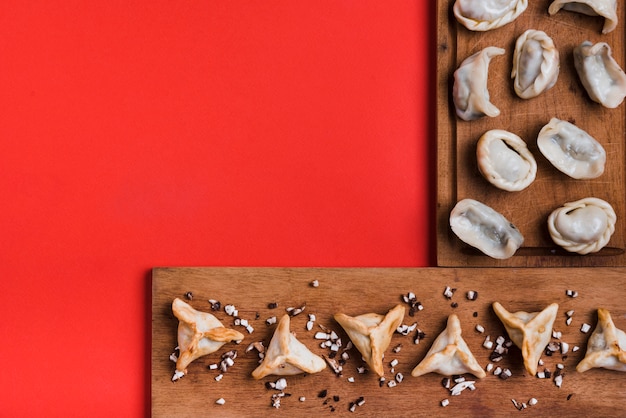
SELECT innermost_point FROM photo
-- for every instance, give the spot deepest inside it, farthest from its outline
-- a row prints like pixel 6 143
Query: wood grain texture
pixel 458 175
pixel 361 290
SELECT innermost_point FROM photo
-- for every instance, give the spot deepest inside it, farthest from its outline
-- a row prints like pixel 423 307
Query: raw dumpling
pixel 584 226
pixel 483 15
pixel 606 347
pixel 199 334
pixel 449 354
pixel 535 64
pixel 286 356
pixel 529 331
pixel 571 150
pixel 469 93
pixel 604 8
pixel 371 334
pixel 482 227
pixel 505 161
pixel 601 76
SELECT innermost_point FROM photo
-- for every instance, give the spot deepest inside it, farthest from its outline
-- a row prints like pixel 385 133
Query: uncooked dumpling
pixel 286 356
pixel 535 64
pixel 606 347
pixel 505 161
pixel 449 354
pixel 604 8
pixel 529 331
pixel 199 334
pixel 371 334
pixel 584 226
pixel 483 15
pixel 482 227
pixel 469 93
pixel 603 78
pixel 571 150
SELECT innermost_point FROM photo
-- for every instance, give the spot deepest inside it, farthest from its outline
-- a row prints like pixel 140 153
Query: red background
pixel 193 133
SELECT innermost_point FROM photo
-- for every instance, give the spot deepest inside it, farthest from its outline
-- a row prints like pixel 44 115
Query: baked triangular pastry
pixel 449 354
pixel 199 334
pixel 606 346
pixel 286 356
pixel 530 331
pixel 371 334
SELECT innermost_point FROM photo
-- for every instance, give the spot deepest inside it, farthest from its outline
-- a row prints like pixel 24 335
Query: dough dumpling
pixel 469 93
pixel 483 15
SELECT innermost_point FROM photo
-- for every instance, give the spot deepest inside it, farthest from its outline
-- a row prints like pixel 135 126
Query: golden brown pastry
pixel 199 334
pixel 449 354
pixel 371 334
pixel 606 346
pixel 531 332
pixel 286 356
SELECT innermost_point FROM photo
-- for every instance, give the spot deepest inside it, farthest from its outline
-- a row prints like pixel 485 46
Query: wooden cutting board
pixel 356 291
pixel 458 175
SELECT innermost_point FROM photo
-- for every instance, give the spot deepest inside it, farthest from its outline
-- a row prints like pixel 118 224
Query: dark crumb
pixel 336 398
pixel 454 305
pixel 189 296
pixel 272 305
pixel 257 315
pixel 475 314
pixel 570 396
pixel 268 385
pixel 322 394
pixel 332 409
pixel 412 311
pixel 494 356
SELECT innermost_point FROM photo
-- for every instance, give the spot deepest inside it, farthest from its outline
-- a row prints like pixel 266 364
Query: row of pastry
pixel 535 70
pixel 505 161
pixel 583 226
pixel 484 15
pixel 201 333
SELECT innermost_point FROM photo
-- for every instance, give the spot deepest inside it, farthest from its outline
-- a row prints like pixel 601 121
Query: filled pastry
pixel 601 76
pixel 469 92
pixel 505 161
pixel 371 334
pixel 483 15
pixel 604 8
pixel 199 334
pixel 606 347
pixel 584 226
pixel 449 354
pixel 535 64
pixel 571 150
pixel 530 331
pixel 482 227
pixel 287 356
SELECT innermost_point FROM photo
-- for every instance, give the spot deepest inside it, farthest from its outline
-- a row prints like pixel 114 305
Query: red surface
pixel 192 133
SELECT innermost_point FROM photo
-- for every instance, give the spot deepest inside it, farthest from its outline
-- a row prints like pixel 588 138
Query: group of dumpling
pixel 583 226
pixel 200 333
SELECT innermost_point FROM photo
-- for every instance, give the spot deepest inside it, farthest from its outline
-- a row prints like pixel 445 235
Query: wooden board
pixel 458 175
pixel 356 291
